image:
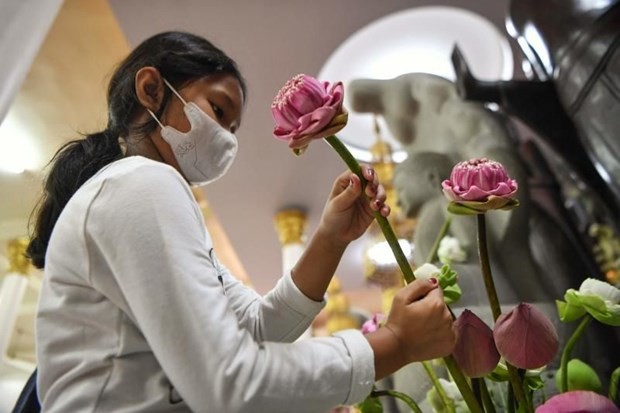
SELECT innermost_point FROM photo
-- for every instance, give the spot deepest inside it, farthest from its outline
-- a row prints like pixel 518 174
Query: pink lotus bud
pixel 373 324
pixel 475 351
pixel 578 401
pixel 525 337
pixel 306 109
pixel 477 179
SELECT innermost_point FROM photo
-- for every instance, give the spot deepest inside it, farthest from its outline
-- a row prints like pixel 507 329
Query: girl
pixel 136 314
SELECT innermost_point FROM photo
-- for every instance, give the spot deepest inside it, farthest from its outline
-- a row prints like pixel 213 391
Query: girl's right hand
pixel 421 322
pixel 419 327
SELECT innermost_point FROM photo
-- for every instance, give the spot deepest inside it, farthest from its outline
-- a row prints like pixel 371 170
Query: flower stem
pixel 398 395
pixel 568 348
pixel 475 387
pixel 385 226
pixel 487 402
pixel 463 385
pixel 432 255
pixel 510 408
pixel 441 392
pixel 485 265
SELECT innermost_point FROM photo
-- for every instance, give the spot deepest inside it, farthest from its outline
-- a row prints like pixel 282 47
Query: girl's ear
pixel 149 88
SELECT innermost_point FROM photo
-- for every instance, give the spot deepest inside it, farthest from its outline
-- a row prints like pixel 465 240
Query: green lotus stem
pixel 485 264
pixel 432 255
pixel 486 397
pixel 441 392
pixel 568 349
pixel 461 382
pixel 385 226
pixel 398 395
pixel 613 385
pixel 475 387
pixel 511 400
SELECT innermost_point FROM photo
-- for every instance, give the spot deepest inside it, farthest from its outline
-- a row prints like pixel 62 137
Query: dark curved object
pixel 538 105
pixel 578 49
pixel 28 400
pixel 574 105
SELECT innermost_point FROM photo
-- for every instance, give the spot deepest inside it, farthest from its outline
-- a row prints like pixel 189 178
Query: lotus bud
pixel 306 109
pixel 475 351
pixel 426 271
pixel 450 250
pixel 578 401
pixel 580 377
pixel 373 323
pixel 525 337
pixel 479 185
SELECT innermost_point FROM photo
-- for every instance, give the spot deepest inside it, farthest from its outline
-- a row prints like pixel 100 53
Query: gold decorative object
pixel 291 226
pixel 337 309
pixel 384 166
pixel 18 261
pixel 606 251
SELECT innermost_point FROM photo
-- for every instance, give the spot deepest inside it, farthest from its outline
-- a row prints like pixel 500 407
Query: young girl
pixel 136 314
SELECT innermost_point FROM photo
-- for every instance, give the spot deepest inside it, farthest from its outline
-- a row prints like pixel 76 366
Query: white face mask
pixel 207 151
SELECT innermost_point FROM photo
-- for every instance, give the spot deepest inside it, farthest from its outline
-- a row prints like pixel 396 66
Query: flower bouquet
pixel 514 351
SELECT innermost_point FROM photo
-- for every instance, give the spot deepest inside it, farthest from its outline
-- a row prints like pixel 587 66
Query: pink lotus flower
pixel 480 185
pixel 525 337
pixel 373 324
pixel 306 109
pixel 577 402
pixel 475 351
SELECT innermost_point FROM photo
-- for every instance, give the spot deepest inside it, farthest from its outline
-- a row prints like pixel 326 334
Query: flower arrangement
pixel 522 341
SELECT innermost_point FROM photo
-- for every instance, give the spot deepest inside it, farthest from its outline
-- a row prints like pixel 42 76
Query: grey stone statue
pixel 438 129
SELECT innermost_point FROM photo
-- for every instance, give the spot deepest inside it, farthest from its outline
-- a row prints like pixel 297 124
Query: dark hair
pixel 181 58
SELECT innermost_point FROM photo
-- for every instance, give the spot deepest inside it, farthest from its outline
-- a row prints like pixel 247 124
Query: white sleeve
pixel 152 233
pixel 282 315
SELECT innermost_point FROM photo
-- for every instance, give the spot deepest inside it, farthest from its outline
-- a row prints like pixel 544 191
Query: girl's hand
pixel 421 322
pixel 348 212
pixel 419 327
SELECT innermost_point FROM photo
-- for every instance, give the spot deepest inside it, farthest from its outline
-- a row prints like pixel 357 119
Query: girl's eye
pixel 219 113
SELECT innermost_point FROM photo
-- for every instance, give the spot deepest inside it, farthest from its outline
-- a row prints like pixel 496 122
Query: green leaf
pixel 499 374
pixel 595 306
pixel 370 405
pixel 580 377
pixel 447 276
pixel 513 203
pixel 614 380
pixel 569 312
pixel 460 209
pixel 452 294
pixel 480 207
pixel 534 383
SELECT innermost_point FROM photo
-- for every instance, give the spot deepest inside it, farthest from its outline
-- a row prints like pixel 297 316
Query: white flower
pixel 606 291
pixel 426 272
pixel 451 389
pixel 450 250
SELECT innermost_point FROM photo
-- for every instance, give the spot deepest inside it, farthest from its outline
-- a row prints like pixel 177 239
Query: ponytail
pixel 75 163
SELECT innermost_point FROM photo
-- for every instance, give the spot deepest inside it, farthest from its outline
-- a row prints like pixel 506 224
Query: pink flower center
pixel 290 88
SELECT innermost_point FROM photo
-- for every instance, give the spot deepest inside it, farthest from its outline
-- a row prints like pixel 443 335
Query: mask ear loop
pixel 161 125
pixel 173 91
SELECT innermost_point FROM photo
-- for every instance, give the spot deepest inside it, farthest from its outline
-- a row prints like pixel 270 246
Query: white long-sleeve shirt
pixel 137 315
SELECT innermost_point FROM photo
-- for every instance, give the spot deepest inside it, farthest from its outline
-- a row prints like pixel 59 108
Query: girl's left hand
pixel 348 212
